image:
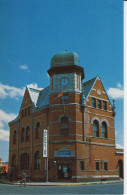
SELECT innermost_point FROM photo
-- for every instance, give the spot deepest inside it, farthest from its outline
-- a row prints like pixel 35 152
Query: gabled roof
pixel 43 98
pixel 88 85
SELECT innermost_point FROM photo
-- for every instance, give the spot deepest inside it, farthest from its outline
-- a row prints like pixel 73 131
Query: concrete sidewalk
pixel 61 183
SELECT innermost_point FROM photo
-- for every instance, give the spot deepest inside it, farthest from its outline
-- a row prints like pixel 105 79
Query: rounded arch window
pixel 104 129
pixel 24 161
pixel 37 160
pixel 14 137
pixel 37 133
pixel 27 133
pixel 96 128
pixel 23 134
pixel 64 125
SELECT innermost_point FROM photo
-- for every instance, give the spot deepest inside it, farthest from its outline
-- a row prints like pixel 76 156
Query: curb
pixel 62 184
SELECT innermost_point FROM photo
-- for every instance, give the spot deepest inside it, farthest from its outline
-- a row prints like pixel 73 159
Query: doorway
pixel 64 171
pixel 120 168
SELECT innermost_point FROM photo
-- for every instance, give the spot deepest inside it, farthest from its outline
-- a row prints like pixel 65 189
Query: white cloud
pixel 4 119
pixel 118 146
pixel 116 93
pixel 4 135
pixel 23 67
pixel 13 92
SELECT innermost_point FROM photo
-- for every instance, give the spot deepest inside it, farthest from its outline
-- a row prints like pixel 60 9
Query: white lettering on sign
pixel 45 143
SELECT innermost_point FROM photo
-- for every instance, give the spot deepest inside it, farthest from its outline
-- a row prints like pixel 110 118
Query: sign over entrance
pixel 45 143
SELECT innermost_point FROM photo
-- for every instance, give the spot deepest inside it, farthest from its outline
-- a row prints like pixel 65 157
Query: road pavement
pixel 110 188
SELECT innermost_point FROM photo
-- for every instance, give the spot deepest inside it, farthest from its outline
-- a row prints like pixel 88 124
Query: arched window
pixel 27 133
pixel 37 130
pixel 14 137
pixel 23 134
pixel 95 128
pixel 64 125
pixel 24 161
pixel 14 161
pixel 37 160
pixel 104 130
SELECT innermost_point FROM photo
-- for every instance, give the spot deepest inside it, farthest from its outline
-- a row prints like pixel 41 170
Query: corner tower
pixel 65 73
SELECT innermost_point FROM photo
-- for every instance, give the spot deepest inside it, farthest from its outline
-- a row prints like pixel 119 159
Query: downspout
pixel 18 143
pixel 83 109
pixel 31 144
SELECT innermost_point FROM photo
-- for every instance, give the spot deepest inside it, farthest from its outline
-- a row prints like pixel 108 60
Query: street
pixel 116 188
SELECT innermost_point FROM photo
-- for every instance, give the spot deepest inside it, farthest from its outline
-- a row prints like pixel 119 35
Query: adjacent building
pixel 79 118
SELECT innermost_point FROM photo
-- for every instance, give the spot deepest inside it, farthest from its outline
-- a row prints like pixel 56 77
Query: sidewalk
pixel 60 183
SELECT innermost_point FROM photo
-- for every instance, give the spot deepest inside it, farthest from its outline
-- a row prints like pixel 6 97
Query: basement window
pixel 82 165
pixel 97 166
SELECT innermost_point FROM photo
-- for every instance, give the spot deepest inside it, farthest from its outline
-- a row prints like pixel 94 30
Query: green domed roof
pixel 65 58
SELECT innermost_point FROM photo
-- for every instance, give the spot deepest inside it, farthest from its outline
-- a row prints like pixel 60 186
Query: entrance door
pixel 64 171
pixel 120 168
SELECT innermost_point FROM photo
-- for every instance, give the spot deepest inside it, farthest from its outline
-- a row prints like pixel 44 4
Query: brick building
pixel 80 121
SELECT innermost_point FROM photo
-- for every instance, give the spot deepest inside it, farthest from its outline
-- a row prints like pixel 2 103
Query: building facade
pixel 79 118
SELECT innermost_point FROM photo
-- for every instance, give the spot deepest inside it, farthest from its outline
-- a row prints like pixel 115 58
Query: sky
pixel 33 31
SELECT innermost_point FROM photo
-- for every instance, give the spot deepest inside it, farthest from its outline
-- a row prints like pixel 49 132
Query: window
pixel 23 134
pixel 99 104
pixel 22 113
pixel 64 125
pixel 104 130
pixel 105 166
pixel 27 133
pixel 25 111
pixel 37 130
pixel 29 110
pixel 97 166
pixel 14 137
pixel 104 105
pixel 24 161
pixel 82 165
pixel 64 99
pixel 14 161
pixel 95 128
pixel 93 102
pixel 37 161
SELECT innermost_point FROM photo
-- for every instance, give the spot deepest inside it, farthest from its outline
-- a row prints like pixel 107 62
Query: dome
pixel 65 58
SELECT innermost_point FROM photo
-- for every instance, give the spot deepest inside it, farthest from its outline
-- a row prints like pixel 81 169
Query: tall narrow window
pixel 64 125
pixel 29 110
pixel 25 111
pixel 37 161
pixel 24 161
pixel 27 133
pixel 22 113
pixel 14 137
pixel 104 130
pixel 97 166
pixel 82 165
pixel 105 166
pixel 93 102
pixel 95 128
pixel 23 134
pixel 99 104
pixel 37 130
pixel 104 105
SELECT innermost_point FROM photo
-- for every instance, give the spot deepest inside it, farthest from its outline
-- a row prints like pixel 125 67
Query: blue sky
pixel 32 31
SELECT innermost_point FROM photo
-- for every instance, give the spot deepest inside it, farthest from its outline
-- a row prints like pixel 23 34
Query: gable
pixel 26 100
